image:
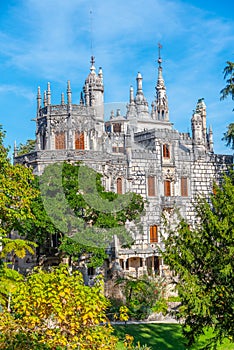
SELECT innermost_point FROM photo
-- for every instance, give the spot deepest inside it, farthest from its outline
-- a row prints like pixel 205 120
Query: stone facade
pixel 139 151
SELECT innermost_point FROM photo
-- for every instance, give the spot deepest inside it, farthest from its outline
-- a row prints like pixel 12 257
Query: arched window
pixel 151 186
pixel 79 140
pixel 154 234
pixel 119 185
pixel 184 187
pixel 117 127
pixel 43 140
pixel 60 140
pixel 167 188
pixel 166 151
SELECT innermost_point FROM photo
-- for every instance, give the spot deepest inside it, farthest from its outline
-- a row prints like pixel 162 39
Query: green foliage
pixel 229 136
pixel 141 294
pixel 203 259
pixel 8 281
pixel 28 147
pixel 229 74
pixel 94 256
pixel 79 212
pixel 16 247
pixel 160 306
pixel 54 310
pixel 228 90
pixel 8 277
pixel 16 192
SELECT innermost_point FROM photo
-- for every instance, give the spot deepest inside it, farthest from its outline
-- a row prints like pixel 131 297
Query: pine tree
pixel 203 259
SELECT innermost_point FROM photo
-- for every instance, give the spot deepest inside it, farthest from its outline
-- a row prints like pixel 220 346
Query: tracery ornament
pixel 169 174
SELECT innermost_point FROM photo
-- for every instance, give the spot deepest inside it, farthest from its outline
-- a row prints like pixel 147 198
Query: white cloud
pixel 17 90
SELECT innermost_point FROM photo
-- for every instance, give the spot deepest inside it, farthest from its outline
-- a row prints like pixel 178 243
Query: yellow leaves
pixel 17 247
pixel 123 313
pixel 60 311
pixel 128 341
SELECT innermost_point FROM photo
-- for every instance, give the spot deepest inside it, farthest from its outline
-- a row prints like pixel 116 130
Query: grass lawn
pixel 160 336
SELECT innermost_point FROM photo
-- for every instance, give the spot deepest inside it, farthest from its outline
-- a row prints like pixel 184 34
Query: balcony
pixel 169 202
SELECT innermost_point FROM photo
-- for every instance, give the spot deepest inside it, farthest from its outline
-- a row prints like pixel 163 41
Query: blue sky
pixel 50 40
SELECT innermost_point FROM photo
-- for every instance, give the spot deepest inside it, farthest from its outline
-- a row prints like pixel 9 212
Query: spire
pixel 81 99
pixel 100 74
pixel 201 109
pixel 62 99
pixel 15 149
pixel 45 99
pixel 48 94
pixel 38 98
pixel 69 93
pixel 161 96
pixel 211 142
pixel 139 83
pixel 131 99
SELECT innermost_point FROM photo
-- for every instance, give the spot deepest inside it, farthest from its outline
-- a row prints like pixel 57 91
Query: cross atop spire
pixel 92 61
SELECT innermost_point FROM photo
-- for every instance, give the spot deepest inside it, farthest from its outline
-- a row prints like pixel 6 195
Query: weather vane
pixel 91 30
pixel 159 53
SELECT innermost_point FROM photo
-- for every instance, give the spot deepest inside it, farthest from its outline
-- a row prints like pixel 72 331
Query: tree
pixel 15 248
pixel 202 257
pixel 141 294
pixel 28 147
pixel 229 136
pixel 83 215
pixel 228 90
pixel 54 310
pixel 16 192
pixel 229 74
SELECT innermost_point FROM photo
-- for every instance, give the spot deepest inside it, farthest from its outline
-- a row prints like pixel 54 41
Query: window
pixel 151 186
pixel 184 187
pixel 166 151
pixel 214 189
pixel 119 186
pixel 79 140
pixel 60 140
pixel 43 141
pixel 167 188
pixel 108 128
pixel 116 149
pixel 117 127
pixel 153 234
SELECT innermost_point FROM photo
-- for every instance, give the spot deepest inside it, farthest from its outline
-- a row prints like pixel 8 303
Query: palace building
pixel 137 151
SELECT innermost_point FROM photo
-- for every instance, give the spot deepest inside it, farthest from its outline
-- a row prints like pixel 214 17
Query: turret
pixel 140 100
pixel 201 109
pixel 94 91
pixel 161 103
pixel 197 134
